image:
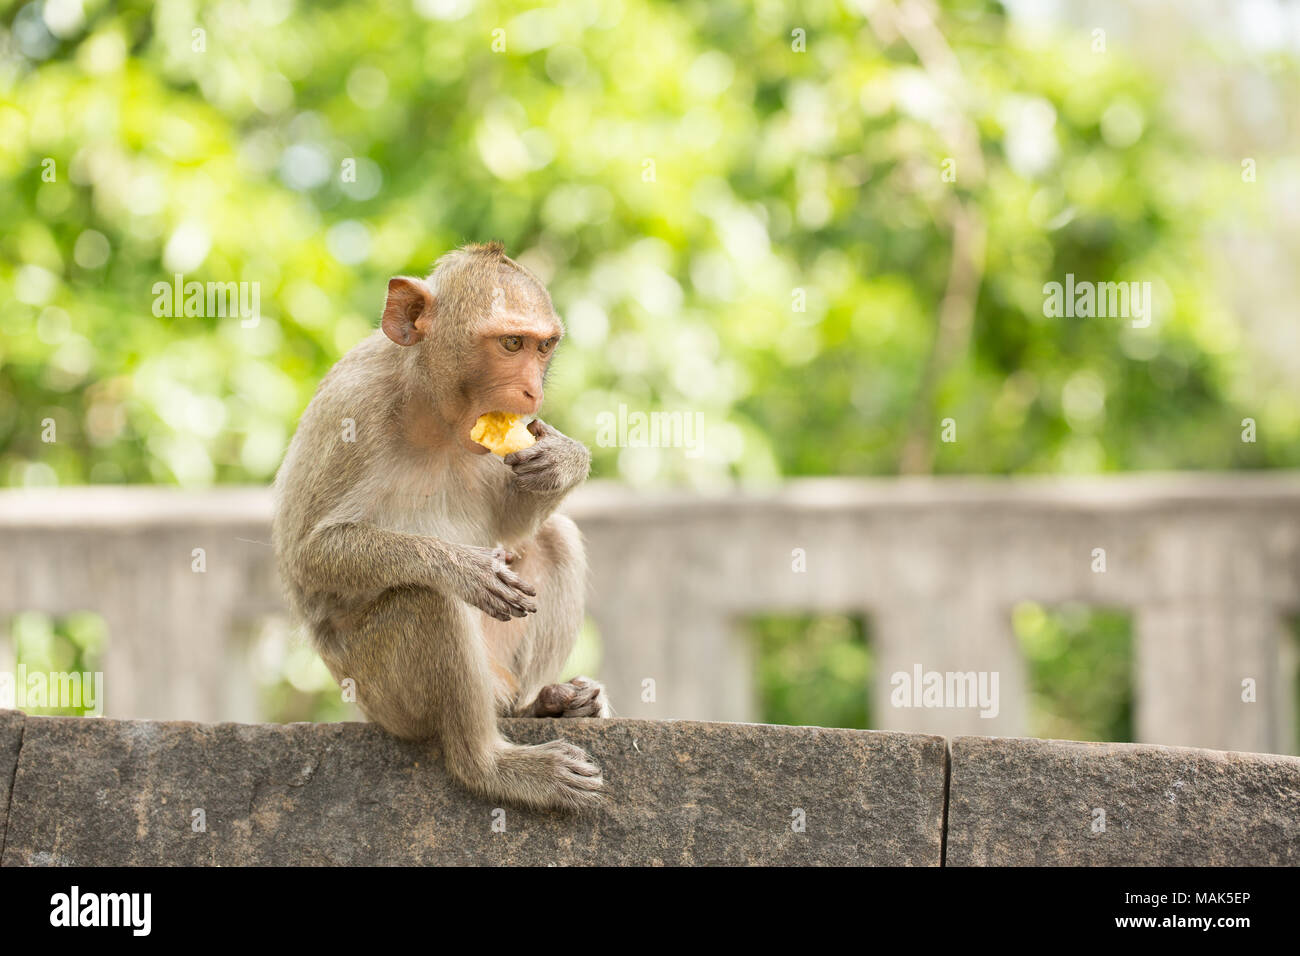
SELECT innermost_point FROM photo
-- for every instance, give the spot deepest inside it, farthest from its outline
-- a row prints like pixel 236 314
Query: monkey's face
pixel 485 340
pixel 507 370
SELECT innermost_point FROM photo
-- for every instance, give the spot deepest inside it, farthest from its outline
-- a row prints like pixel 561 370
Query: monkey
pixel 441 578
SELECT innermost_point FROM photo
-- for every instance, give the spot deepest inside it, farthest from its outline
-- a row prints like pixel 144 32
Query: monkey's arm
pixel 356 559
pixel 540 478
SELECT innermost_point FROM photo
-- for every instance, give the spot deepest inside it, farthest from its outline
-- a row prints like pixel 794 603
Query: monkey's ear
pixel 408 310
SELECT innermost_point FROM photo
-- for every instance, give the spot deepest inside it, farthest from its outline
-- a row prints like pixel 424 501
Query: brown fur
pixel 437 577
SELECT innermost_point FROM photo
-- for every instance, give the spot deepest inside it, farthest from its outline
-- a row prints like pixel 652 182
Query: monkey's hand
pixel 554 465
pixel 482 580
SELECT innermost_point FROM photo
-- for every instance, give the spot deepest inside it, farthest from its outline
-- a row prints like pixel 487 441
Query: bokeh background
pixel 824 225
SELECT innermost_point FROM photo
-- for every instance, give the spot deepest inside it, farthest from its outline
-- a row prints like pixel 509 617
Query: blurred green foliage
pixel 1080 668
pixel 212 140
pixel 814 670
pixel 70 648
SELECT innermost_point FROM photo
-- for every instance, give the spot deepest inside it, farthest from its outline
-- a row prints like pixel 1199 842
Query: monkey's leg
pixel 555 563
pixel 421 670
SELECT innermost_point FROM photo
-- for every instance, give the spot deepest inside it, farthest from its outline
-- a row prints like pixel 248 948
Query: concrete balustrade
pixel 1208 565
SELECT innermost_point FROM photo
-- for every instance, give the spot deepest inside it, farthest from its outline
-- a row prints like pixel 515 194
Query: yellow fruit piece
pixel 502 433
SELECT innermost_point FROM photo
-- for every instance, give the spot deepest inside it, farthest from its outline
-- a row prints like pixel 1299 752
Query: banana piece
pixel 502 433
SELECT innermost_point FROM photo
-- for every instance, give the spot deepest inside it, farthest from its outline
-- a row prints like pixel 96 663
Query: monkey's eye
pixel 512 343
pixel 546 345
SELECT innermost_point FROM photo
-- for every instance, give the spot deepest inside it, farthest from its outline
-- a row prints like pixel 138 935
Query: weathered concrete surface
pixel 107 792
pixel 1033 802
pixel 121 792
pixel 11 737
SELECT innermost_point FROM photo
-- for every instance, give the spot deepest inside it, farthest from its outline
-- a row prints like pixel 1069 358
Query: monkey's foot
pixel 580 697
pixel 554 775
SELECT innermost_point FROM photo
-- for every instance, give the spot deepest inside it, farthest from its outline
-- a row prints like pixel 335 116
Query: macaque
pixel 437 576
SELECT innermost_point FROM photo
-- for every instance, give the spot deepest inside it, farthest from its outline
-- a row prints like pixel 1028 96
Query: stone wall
pixel 127 792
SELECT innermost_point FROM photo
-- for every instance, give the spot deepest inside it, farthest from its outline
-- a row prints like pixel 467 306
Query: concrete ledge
pixel 124 792
pixel 1034 802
